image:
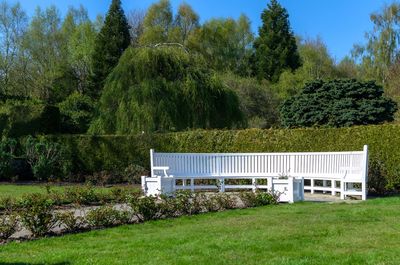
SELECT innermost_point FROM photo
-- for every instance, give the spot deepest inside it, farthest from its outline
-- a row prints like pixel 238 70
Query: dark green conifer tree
pixel 275 48
pixel 111 42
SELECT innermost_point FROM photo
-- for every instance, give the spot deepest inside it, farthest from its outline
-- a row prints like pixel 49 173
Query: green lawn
pixel 303 233
pixel 12 190
pixel 16 191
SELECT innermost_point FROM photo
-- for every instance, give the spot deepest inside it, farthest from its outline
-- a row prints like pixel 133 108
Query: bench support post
pixel 222 185
pixel 312 186
pixel 192 185
pixel 324 184
pixel 364 183
pixel 254 183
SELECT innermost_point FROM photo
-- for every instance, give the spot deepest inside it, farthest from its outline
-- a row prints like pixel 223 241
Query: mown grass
pixel 17 191
pixel 303 233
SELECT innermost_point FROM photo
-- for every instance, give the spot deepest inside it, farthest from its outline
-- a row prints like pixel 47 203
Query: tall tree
pixel 383 44
pixel 110 43
pixel 13 25
pixel 44 47
pixel 186 22
pixel 276 48
pixel 225 43
pixel 135 20
pixel 164 89
pixel 316 64
pixel 157 23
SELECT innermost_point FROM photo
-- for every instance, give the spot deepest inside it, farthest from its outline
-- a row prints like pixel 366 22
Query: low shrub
pixel 266 198
pixel 8 225
pixel 133 173
pixel 82 195
pixel 8 204
pixel 36 213
pixel 146 208
pixel 105 177
pixel 104 216
pixel 258 198
pixel 47 159
pixel 225 201
pixel 209 202
pixel 70 222
pixel 376 177
pixel 184 202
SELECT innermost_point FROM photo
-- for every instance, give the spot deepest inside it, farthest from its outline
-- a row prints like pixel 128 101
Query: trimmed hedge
pixel 96 153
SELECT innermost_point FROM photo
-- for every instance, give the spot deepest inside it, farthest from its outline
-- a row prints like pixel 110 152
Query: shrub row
pixel 37 213
pixel 94 153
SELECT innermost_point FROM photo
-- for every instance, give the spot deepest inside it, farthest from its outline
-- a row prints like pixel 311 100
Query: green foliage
pixel 24 117
pixel 225 44
pixel 258 102
pixel 8 225
pixel 77 113
pixel 338 103
pixel 7 148
pixel 109 45
pixel 146 208
pixel 383 42
pixel 186 22
pixel 69 221
pixel 164 89
pixel 275 47
pixel 105 216
pixel 36 213
pixel 317 63
pixel 133 173
pixel 157 23
pixel 82 195
pixel 48 160
pixel 224 201
pixel 258 198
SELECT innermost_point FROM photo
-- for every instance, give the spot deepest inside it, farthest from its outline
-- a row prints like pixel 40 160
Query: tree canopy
pixel 164 89
pixel 338 103
pixel 275 47
pixel 112 40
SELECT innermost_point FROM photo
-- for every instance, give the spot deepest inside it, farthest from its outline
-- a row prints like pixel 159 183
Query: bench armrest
pixel 164 169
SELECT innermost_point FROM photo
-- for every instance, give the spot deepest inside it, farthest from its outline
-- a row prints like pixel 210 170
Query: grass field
pixel 303 233
pixel 16 191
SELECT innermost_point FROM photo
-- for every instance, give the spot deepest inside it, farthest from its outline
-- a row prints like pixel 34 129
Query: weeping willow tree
pixel 164 89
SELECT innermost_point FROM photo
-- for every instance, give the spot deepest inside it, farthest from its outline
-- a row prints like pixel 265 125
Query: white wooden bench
pixel 335 172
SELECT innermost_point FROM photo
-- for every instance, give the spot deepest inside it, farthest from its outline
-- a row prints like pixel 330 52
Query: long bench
pixel 334 172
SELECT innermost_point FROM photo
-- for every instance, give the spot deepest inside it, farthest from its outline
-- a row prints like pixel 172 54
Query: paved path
pixel 320 197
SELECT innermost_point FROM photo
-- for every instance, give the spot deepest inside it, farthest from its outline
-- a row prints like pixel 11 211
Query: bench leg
pixel 364 191
pixel 342 190
pixel 333 185
pixel 312 186
pixel 192 185
pixel 324 184
pixel 254 183
pixel 183 182
pixel 222 185
pixel 270 184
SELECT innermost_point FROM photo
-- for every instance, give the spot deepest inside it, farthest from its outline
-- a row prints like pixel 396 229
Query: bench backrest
pixel 320 164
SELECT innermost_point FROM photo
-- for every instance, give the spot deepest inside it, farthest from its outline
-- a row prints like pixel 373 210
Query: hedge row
pixel 95 153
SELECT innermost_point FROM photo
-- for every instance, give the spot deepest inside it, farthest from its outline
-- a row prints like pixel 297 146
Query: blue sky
pixel 340 23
